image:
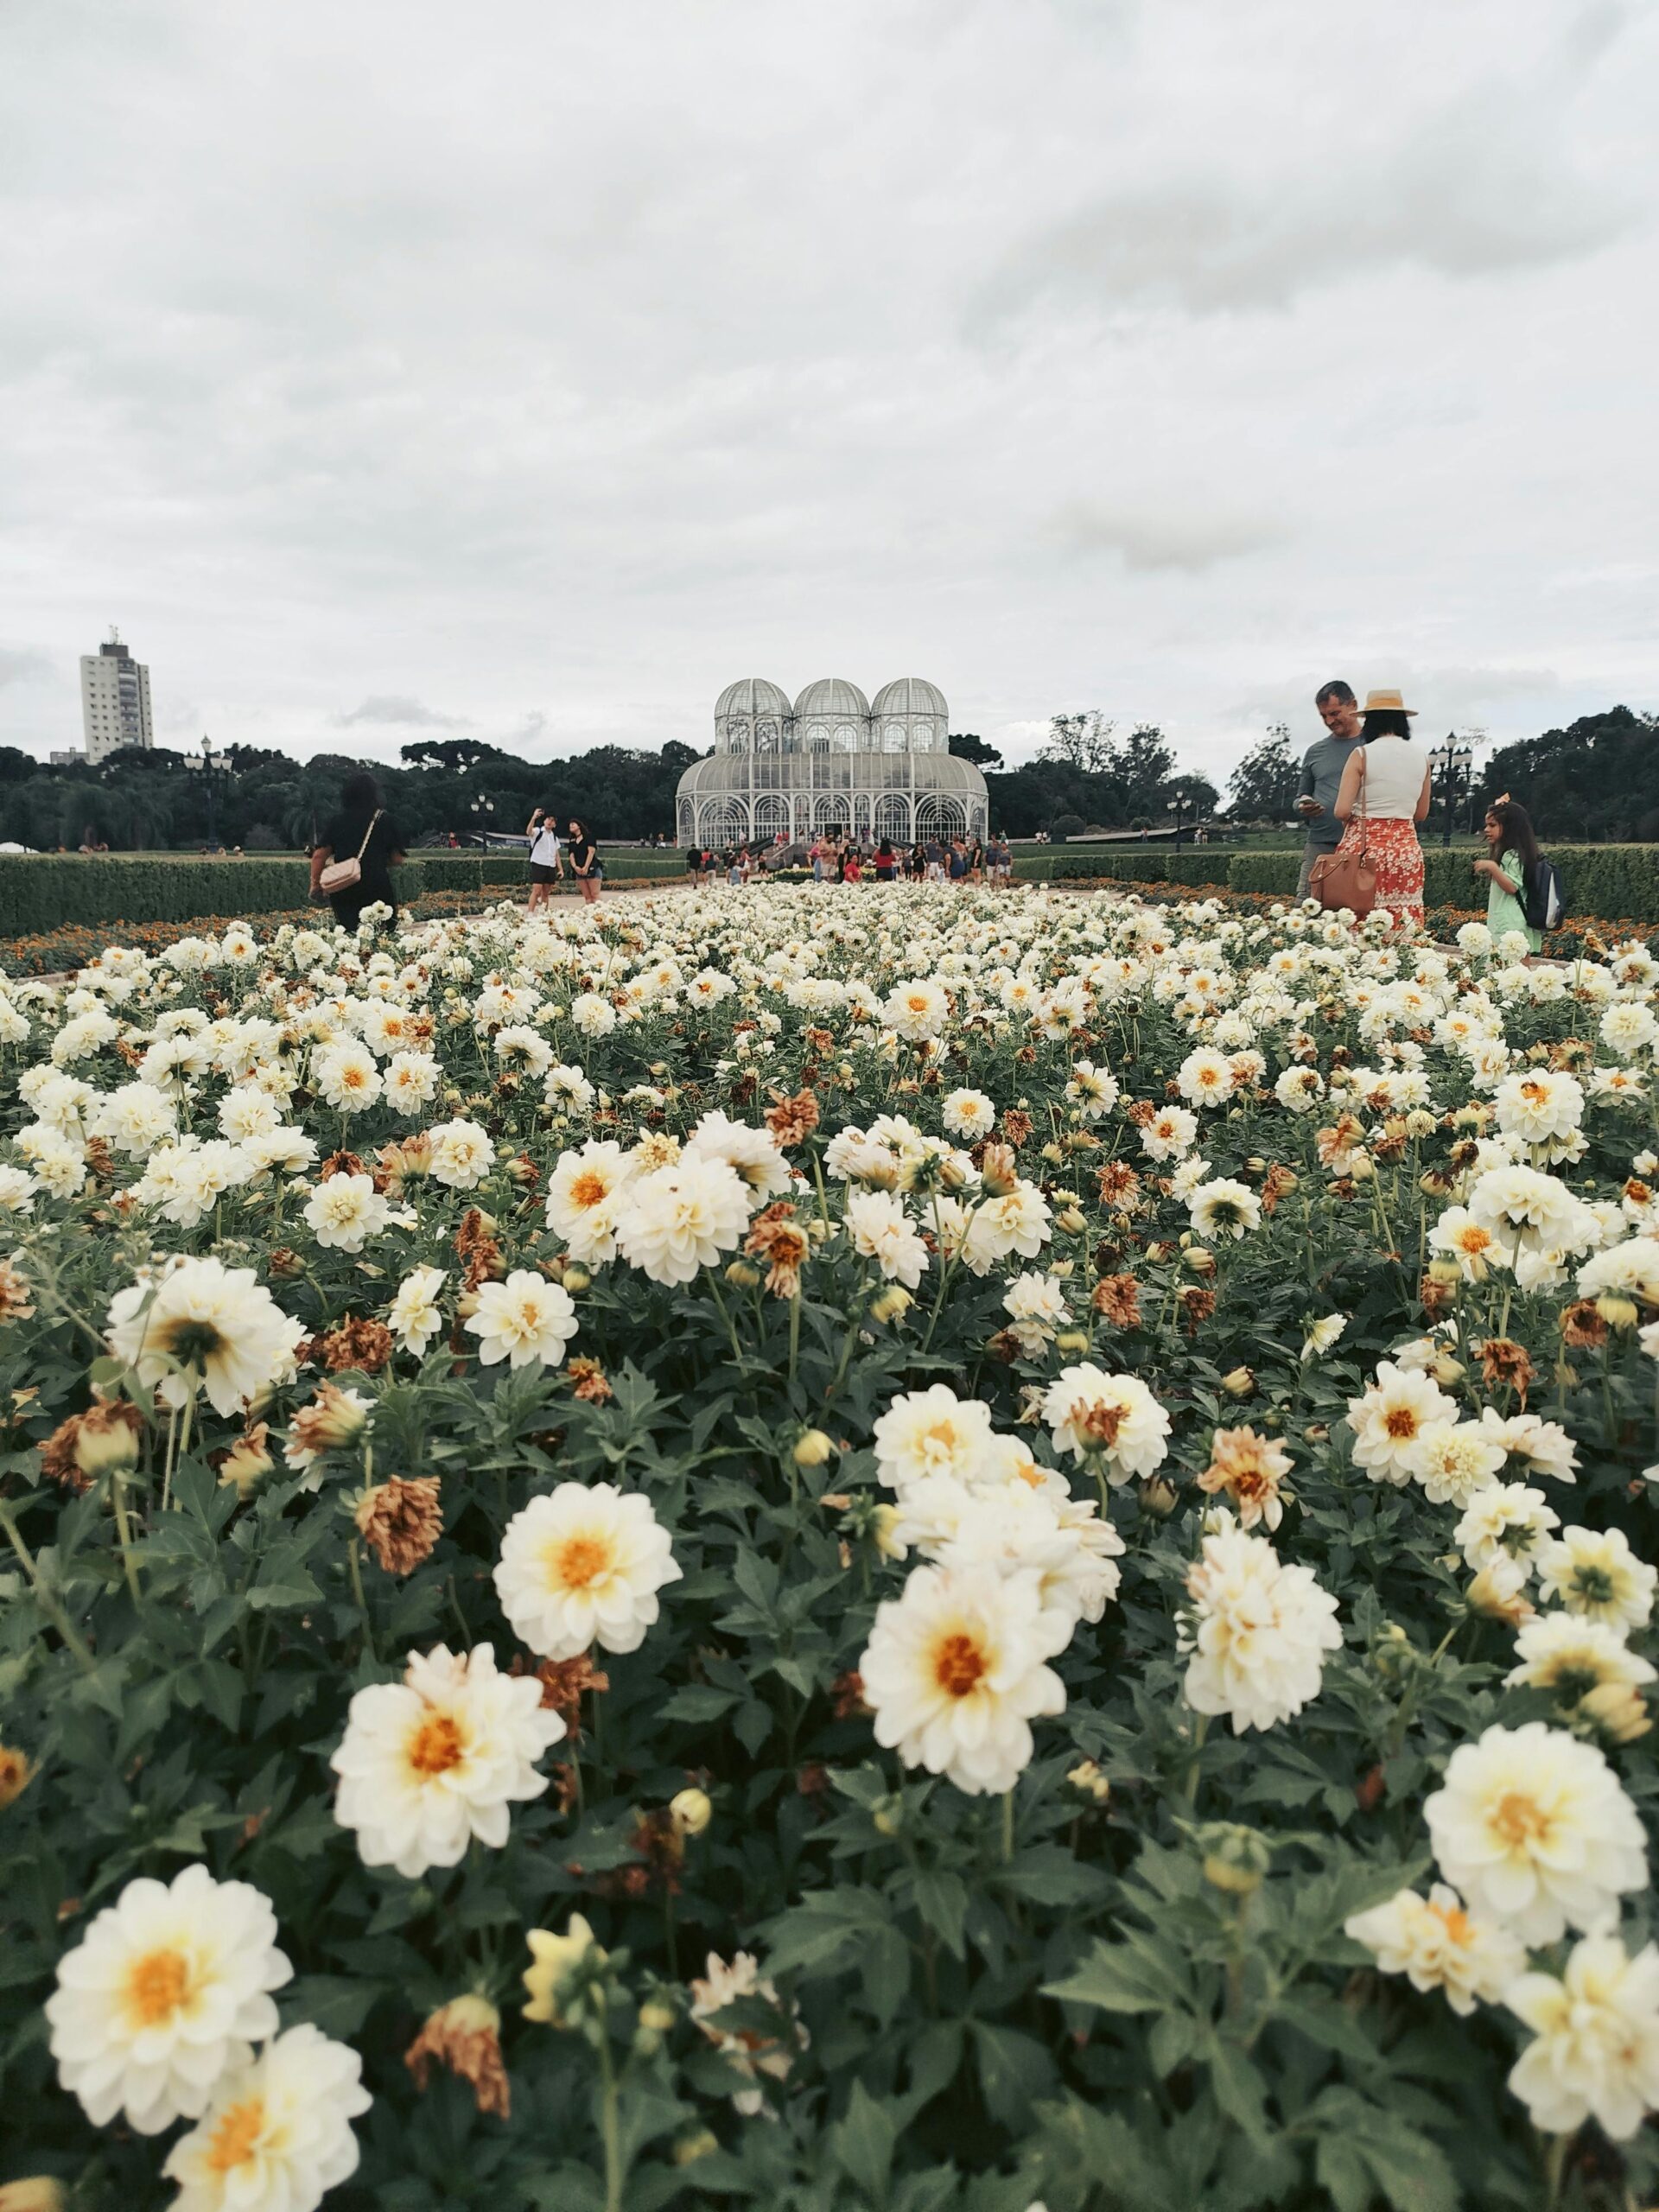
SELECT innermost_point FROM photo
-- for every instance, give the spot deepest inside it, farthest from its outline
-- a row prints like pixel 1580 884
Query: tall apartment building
pixel 114 700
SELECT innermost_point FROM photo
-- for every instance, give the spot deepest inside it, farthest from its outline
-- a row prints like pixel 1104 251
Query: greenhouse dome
pixel 833 762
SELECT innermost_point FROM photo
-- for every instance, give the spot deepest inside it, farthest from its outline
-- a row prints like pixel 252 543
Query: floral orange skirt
pixel 1398 859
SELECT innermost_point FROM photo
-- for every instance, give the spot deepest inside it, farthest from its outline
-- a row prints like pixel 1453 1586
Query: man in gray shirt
pixel 1322 766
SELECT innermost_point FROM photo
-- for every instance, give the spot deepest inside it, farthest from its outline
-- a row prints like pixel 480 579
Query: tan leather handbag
pixel 340 875
pixel 1347 879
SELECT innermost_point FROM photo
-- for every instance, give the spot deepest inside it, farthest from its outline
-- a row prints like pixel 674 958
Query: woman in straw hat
pixel 1387 780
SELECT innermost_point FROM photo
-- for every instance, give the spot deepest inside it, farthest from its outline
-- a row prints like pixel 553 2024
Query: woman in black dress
pixel 361 829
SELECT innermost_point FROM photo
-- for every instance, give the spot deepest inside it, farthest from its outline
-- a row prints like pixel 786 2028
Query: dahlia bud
pixel 656 2017
pixel 1446 1272
pixel 1158 1497
pixel 1256 1165
pixel 1089 1780
pixel 690 1810
pixel 1054 1154
pixel 812 1448
pixel 883 1522
pixel 1070 1340
pixel 1240 1383
pixel 1236 1860
pixel 1200 1262
pixel 891 1304
pixel 1616 1711
pixel 742 1276
pixel 576 1278
pixel 38 2193
pixel 1072 1222
pixel 247 1462
pixel 887 1817
pixel 1616 1313
pixel 107 1439
pixel 1499 1591
pixel 1361 1167
pixel 690 2148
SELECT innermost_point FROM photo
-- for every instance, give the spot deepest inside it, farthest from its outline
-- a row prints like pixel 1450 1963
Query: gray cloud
pixel 24 665
pixel 406 713
pixel 638 348
pixel 1158 538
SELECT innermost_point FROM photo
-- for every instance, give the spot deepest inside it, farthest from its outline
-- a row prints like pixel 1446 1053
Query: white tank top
pixel 1395 768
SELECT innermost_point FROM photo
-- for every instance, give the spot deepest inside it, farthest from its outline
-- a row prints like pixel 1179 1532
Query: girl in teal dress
pixel 1512 848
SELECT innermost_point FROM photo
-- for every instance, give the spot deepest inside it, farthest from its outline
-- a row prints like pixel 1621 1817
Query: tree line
pixel 1597 779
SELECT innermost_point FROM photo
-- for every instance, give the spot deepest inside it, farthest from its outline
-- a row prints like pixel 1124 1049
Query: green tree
pixel 1082 741
pixel 968 746
pixel 1263 785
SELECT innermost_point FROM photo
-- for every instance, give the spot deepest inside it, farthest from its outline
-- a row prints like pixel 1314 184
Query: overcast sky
pixel 531 369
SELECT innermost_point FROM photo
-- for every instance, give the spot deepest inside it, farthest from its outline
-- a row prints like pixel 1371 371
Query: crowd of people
pixel 834 858
pixel 1365 788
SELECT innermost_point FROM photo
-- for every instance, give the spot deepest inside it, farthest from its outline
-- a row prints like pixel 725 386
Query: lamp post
pixel 1450 769
pixel 481 808
pixel 1177 806
pixel 209 762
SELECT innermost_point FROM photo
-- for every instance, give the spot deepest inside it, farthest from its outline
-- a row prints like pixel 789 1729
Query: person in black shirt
pixel 360 823
pixel 585 863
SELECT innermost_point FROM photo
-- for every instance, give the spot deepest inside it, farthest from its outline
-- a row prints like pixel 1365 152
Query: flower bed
pixel 909 1550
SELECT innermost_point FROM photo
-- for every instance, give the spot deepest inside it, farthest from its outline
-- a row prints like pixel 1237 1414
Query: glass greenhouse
pixel 834 760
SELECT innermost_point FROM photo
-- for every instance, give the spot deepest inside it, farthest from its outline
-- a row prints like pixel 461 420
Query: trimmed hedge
pixel 1611 883
pixel 44 891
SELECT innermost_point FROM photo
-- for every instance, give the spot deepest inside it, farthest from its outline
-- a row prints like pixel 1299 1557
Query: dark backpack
pixel 1542 899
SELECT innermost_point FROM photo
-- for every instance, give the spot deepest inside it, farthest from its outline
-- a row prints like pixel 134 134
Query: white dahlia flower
pixel 1223 1208
pixel 278 2136
pixel 1594 1573
pixel 752 1154
pixel 1258 1634
pixel 524 1320
pixel 203 1326
pixel 345 1211
pixel 879 1229
pixel 932 1431
pixel 1533 1828
pixel 583 1194
pixel 1595 2048
pixel 415 1317
pixel 168 1988
pixel 583 1565
pixel 1389 1421
pixel 1437 1945
pixel 462 1154
pixel 430 1762
pixel 682 1218
pixel 1114 1418
pixel 954 1673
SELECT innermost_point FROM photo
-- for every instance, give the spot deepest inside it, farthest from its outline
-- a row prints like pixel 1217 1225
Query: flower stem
pixel 1007 1827
pixel 124 1533
pixel 610 2130
pixel 43 1598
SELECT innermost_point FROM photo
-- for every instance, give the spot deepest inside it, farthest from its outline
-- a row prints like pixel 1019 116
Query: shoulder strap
pixel 369 832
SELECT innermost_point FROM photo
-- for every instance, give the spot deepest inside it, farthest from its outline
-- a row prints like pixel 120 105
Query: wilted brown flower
pixel 465 2037
pixel 999 1169
pixel 401 1520
pixel 588 1378
pixel 1196 1303
pixel 779 1239
pixel 329 1423
pixel 1120 1186
pixel 1116 1298
pixel 99 1160
pixel 1505 1364
pixel 1582 1326
pixel 285 1263
pixel 1336 1142
pixel 341 1163
pixel 1278 1183
pixel 846 1696
pixel 94 1443
pixel 1249 1469
pixel 247 1462
pixel 16 1304
pixel 1016 1127
pixel 475 1244
pixel 792 1119
pixel 564 1683
pixel 359 1343
pixel 1433 1295
pixel 1004 1347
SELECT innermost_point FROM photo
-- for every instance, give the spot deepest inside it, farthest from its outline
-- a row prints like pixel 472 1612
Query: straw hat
pixel 1386 703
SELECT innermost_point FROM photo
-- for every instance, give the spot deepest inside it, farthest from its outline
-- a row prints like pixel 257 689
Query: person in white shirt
pixel 546 860
pixel 1383 797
